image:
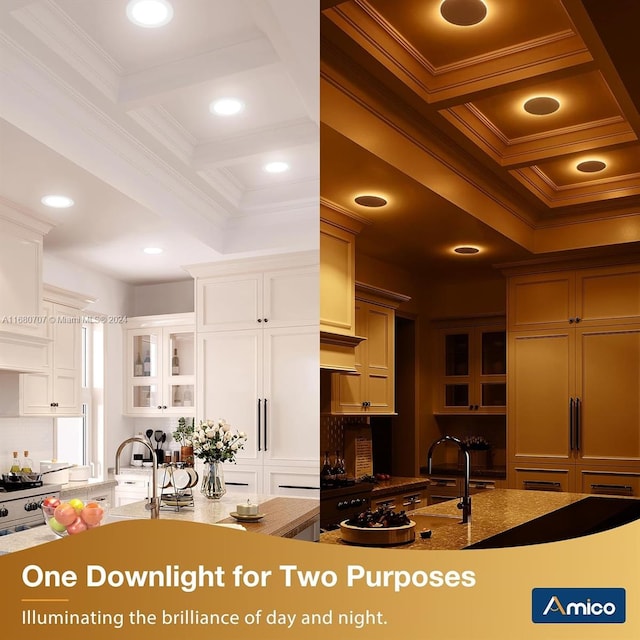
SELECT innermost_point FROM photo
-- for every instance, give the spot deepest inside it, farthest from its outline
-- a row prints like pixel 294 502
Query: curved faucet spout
pixel 154 504
pixel 465 503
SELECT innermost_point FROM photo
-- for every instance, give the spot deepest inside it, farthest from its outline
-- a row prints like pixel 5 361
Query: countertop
pixel 492 512
pixel 398 485
pixel 284 517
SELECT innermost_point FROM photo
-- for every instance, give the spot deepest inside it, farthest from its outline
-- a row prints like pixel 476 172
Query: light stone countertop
pixel 492 512
pixel 284 517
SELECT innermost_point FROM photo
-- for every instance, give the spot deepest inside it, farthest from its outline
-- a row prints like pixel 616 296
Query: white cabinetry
pixel 160 365
pixel 262 376
pixel 23 346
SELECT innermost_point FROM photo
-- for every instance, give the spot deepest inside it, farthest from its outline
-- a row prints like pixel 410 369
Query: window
pixel 78 439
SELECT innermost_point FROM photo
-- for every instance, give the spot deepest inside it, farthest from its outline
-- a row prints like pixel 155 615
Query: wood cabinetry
pixel 263 377
pixel 471 368
pixel 573 382
pixel 406 500
pixel 160 365
pixel 371 390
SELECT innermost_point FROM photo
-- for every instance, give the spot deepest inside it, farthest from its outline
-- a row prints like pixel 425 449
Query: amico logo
pixel 578 605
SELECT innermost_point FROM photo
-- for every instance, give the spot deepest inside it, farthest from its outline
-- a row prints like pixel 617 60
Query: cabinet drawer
pixel 609 483
pixel 540 478
pixel 240 480
pixel 294 483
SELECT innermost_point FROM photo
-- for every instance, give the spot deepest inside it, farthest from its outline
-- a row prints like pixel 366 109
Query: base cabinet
pixel 616 481
pixel 296 482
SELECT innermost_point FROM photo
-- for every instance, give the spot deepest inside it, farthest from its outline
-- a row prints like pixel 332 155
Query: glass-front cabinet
pixel 472 370
pixel 160 361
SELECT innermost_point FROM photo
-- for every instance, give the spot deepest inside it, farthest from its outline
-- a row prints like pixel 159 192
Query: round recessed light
pixel 150 13
pixel 463 13
pixel 276 167
pixel 466 251
pixel 370 201
pixel 541 106
pixel 153 251
pixel 57 202
pixel 226 106
pixel 591 166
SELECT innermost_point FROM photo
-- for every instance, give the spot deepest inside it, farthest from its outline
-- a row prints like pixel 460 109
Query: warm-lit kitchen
pixel 480 271
pixel 158 265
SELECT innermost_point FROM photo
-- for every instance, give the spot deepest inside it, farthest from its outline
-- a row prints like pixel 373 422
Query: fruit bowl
pixel 71 517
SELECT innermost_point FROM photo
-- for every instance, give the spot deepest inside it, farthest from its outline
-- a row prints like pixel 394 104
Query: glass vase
pixel 213 486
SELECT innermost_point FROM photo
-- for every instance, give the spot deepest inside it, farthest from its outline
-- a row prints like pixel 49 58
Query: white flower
pixel 206 446
pixel 210 432
pixel 210 423
pixel 243 435
pixel 226 427
pixel 234 446
pixel 219 445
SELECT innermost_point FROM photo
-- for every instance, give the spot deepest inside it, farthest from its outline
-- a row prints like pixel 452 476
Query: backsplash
pixel 332 432
pixel 20 434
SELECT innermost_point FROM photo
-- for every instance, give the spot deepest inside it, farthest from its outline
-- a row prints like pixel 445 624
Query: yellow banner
pixel 144 578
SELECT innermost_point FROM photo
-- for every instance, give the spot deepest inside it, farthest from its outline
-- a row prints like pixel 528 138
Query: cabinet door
pixel 67 361
pixel 490 370
pixel 296 483
pixel 179 371
pixel 290 298
pixel 379 365
pixel 290 425
pixel 145 395
pixel 541 301
pixel 608 295
pixel 337 280
pixel 230 303
pixel 541 383
pixel 229 379
pixel 608 384
pixel 244 479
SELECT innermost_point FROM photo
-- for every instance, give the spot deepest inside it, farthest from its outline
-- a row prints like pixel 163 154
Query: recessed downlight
pixel 541 106
pixel 226 106
pixel 150 13
pixel 276 167
pixel 370 201
pixel 591 166
pixel 466 250
pixel 152 251
pixel 57 201
pixel 463 13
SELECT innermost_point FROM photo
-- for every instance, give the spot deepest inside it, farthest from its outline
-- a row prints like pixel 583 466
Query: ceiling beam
pixel 255 143
pixel 298 48
pixel 150 85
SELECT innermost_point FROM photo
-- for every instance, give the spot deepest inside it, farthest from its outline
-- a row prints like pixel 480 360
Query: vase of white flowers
pixel 215 442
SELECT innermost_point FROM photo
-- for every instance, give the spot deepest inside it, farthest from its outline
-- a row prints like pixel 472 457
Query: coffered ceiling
pixel 444 105
pixel 121 113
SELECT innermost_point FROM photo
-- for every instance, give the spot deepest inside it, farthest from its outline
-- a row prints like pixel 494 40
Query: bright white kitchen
pixel 188 152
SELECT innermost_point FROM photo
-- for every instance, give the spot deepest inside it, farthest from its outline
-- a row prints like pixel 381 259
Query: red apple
pixel 49 505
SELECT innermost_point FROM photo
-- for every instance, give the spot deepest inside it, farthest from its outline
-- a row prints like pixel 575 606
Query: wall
pixel 157 299
pixel 18 434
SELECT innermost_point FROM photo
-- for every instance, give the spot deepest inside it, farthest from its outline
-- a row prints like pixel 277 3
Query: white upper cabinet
pixel 160 365
pixel 276 297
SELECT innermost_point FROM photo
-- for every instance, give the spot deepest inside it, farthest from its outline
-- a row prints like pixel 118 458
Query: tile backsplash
pixel 19 434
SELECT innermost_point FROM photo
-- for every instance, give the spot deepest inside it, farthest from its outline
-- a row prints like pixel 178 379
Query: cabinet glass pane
pixel 146 396
pixel 456 395
pixel 182 395
pixel 494 394
pixel 145 356
pixel 457 355
pixel 494 353
pixel 182 362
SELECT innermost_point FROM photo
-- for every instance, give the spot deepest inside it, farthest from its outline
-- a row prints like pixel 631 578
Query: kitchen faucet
pixel 154 504
pixel 465 504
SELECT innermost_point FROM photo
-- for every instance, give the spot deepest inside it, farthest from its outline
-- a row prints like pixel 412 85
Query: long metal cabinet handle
pixel 620 488
pixel 541 483
pixel 571 424
pixel 259 427
pixel 578 419
pixel 265 424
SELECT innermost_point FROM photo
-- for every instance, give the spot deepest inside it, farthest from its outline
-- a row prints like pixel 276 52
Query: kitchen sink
pixel 591 515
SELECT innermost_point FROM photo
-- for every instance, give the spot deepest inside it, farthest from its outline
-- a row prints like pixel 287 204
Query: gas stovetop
pixel 13 493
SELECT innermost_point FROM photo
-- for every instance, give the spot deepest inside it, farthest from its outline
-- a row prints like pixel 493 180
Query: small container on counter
pixel 247 508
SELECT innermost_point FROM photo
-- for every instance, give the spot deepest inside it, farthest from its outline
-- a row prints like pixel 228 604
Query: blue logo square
pixel 562 606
